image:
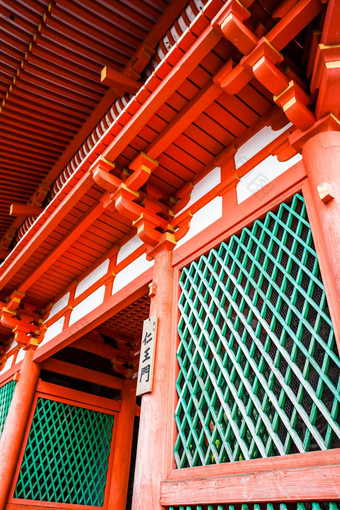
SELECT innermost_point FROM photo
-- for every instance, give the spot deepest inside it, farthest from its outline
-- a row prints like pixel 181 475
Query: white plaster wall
pixel 20 356
pixel 261 175
pixel 92 278
pixel 7 365
pixel 202 219
pixel 205 185
pixel 256 143
pixel 130 272
pixel 87 305
pixel 128 248
pixel 59 305
pixel 54 330
pixel 13 344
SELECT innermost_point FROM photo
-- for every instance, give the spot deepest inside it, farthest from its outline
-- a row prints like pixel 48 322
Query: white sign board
pixel 147 356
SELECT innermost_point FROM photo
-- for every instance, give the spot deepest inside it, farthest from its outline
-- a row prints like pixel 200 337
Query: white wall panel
pixel 7 365
pixel 87 305
pixel 59 305
pixel 205 185
pixel 256 143
pixel 128 248
pixel 20 356
pixel 203 218
pixel 54 330
pixel 93 277
pixel 130 272
pixel 263 174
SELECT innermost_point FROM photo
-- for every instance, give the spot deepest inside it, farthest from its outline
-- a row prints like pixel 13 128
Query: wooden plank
pixel 24 504
pixel 187 115
pixel 179 73
pixel 95 211
pixel 296 478
pixel 84 374
pixel 112 305
pixel 119 81
pixel 100 349
pixel 47 389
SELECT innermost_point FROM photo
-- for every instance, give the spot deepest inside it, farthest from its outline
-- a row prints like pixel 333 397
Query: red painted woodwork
pixel 24 210
pixel 321 155
pixel 84 374
pixel 310 476
pixel 24 504
pixel 201 102
pixel 153 461
pixel 111 306
pixel 50 49
pixel 16 422
pixel 118 484
pixel 67 395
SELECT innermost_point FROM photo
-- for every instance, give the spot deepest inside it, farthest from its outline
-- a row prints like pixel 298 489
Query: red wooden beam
pixel 119 481
pixel 103 312
pixel 307 476
pixel 302 13
pixel 100 349
pixel 185 65
pixel 118 81
pixel 16 423
pixel 330 32
pixel 82 186
pixel 17 209
pixel 61 247
pixel 84 374
pixel 60 392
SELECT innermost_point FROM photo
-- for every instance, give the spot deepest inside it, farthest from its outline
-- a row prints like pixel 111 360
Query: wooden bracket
pixel 327 123
pixel 326 79
pixel 21 320
pixel 148 215
pixel 181 224
pixel 26 210
pixel 14 300
pixel 118 81
pixel 182 197
pixel 326 192
pixel 294 102
pixel 230 23
pixel 166 241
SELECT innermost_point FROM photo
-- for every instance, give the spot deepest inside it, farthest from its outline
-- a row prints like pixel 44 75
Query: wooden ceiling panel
pixel 52 56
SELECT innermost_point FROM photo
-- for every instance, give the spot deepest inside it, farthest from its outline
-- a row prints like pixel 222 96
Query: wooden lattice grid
pixel 258 363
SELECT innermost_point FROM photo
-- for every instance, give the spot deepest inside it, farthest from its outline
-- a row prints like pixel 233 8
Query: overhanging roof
pixel 179 116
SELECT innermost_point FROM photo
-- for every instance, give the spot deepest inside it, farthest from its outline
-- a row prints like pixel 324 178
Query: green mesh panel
pixel 310 505
pixel 258 364
pixel 6 394
pixel 66 457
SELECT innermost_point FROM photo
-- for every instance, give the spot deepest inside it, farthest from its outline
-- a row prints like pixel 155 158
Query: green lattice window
pixel 310 505
pixel 6 394
pixel 67 454
pixel 258 363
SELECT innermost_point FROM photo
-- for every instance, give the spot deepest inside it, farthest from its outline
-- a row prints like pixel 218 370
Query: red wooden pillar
pixel 321 156
pixel 122 454
pixel 153 461
pixel 16 423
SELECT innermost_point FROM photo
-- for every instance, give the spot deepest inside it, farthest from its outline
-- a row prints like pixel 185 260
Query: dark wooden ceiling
pixel 52 54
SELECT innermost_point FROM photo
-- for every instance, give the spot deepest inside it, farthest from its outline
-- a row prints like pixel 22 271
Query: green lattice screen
pixel 310 505
pixel 66 457
pixel 258 364
pixel 6 394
